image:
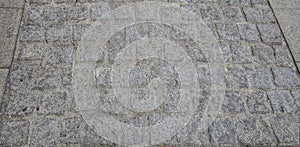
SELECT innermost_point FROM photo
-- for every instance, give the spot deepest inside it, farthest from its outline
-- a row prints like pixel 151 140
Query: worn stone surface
pixel 223 131
pixel 286 77
pixel 255 131
pixel 44 132
pixel 9 25
pixel 245 72
pixel 258 103
pixel 14 133
pixel 283 102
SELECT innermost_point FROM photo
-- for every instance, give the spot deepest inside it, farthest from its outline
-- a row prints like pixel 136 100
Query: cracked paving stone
pixel 228 32
pixel 286 77
pixel 235 77
pixel 263 54
pixel 270 33
pixel 257 103
pixel 255 132
pixel 44 132
pixel 248 32
pixel 223 131
pixel 286 129
pixel 260 77
pixel 241 54
pixel 14 133
pixel 234 102
pixel 283 102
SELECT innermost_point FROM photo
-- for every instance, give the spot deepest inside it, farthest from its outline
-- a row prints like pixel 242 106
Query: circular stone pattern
pixel 135 67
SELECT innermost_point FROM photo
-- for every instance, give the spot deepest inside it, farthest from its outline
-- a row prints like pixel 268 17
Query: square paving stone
pixel 283 102
pixel 146 12
pixel 53 103
pixel 71 130
pixel 234 102
pixel 270 33
pixel 235 77
pixel 210 12
pixel 283 56
pixel 59 54
pixel 241 54
pixel 233 13
pixel 14 133
pixel 248 32
pixel 77 13
pixel 9 24
pixel 286 129
pixel 286 77
pixel 223 131
pixel 258 103
pixel 263 54
pixel 228 32
pixel 260 77
pixel 40 1
pixel 32 33
pixel 21 103
pixel 255 132
pixel 54 14
pixel 59 34
pixel 240 2
pixel 44 132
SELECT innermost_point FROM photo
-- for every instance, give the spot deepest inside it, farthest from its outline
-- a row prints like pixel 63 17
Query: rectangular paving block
pixel 9 23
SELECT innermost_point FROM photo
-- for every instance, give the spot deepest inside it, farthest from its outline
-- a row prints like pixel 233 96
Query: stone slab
pixel 12 3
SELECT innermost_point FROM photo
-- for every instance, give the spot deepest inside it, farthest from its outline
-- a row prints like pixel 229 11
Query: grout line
pixel 283 35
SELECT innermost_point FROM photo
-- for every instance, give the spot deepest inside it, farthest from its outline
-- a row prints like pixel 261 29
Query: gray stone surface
pixel 223 131
pixel 228 32
pixel 263 54
pixel 12 3
pixel 235 77
pixel 258 103
pixel 234 102
pixel 270 33
pixel 9 24
pixel 44 132
pixel 260 77
pixel 248 32
pixel 286 129
pixel 261 100
pixel 14 133
pixel 286 77
pixel 3 77
pixel 241 54
pixel 283 102
pixel 255 131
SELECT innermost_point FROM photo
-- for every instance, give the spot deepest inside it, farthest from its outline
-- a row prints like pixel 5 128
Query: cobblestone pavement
pixel 200 72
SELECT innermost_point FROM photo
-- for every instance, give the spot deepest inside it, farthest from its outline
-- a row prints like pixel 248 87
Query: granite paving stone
pixel 149 73
pixel 19 130
pixel 44 132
